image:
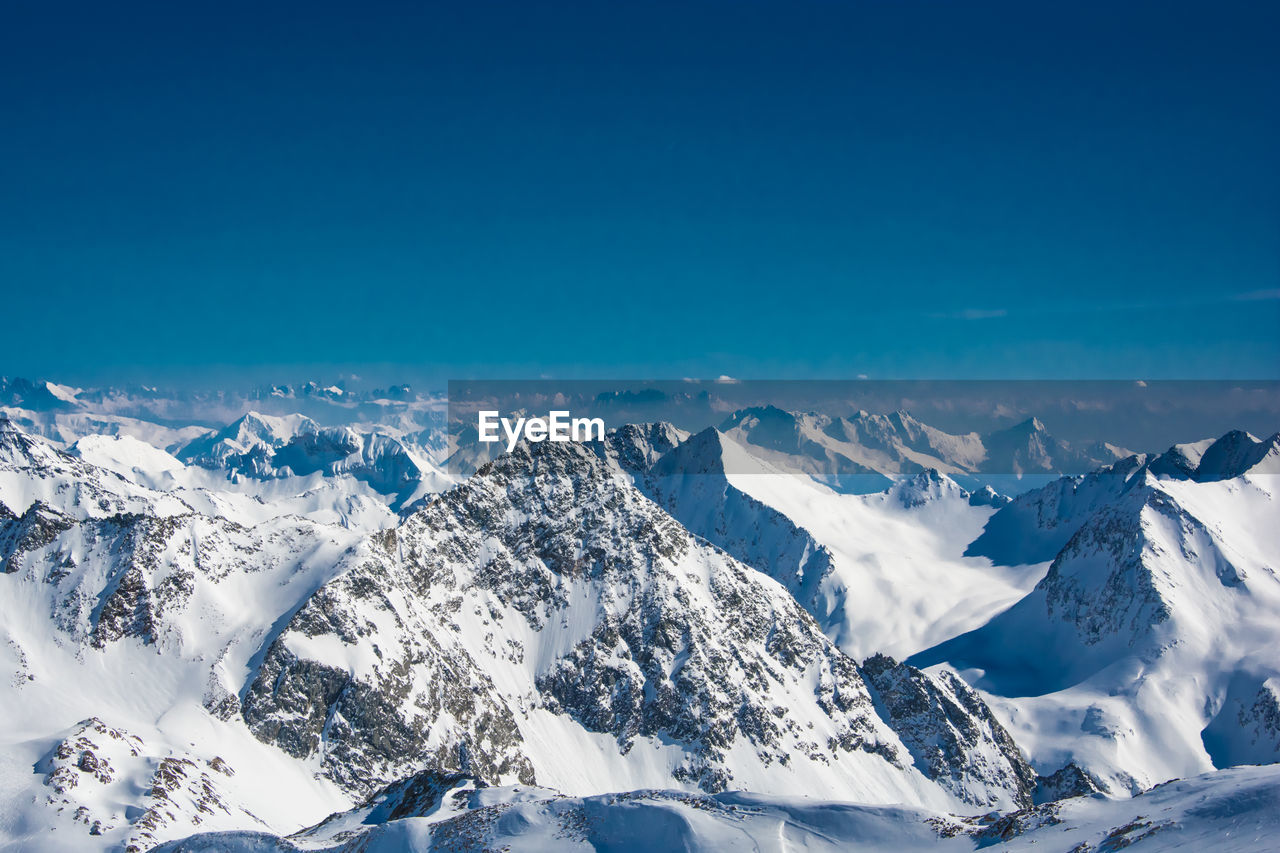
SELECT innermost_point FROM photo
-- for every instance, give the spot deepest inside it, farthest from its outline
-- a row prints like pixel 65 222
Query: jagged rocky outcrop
pixel 637 447
pixel 425 702
pixel 38 525
pixel 1070 780
pixel 133 575
pixel 94 767
pixel 951 734
pixel 690 483
pixel 548 586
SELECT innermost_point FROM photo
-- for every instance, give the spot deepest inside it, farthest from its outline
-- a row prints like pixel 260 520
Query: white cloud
pixel 1258 295
pixel 971 314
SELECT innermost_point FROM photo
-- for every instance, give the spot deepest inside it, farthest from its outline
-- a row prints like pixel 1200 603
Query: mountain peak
pixel 1030 425
pixel 759 416
pixel 927 486
pixel 638 446
pixel 1225 458
pixel 18 446
pixel 701 453
pixel 39 396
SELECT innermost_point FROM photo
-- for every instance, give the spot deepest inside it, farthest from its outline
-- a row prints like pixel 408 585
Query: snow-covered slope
pixel 1234 809
pixel 340 500
pixel 34 471
pixel 127 624
pixel 1148 650
pixel 880 573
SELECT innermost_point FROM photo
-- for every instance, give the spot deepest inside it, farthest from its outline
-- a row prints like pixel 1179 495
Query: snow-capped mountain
pixel 266 447
pixel 126 624
pixel 274 615
pixel 35 473
pixel 1147 651
pixel 867 452
pixel 544 607
pixel 547 606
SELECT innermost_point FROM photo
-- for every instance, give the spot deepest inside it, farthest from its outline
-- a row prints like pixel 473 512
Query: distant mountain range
pixel 868 451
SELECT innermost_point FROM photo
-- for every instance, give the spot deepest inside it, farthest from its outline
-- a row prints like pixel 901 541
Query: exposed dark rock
pixel 951 733
pixel 1069 781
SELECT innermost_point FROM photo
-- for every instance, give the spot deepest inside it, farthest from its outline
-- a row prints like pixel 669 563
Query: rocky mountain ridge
pixel 580 599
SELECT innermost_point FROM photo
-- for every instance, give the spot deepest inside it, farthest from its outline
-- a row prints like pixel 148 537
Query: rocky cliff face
pixel 951 734
pixel 690 483
pixel 141 576
pixel 548 586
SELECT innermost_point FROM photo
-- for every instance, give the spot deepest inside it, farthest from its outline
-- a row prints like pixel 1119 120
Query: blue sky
pixel 807 189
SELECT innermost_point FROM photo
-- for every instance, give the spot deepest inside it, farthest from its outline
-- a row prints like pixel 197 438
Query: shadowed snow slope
pixel 1237 810
pixel 880 573
pixel 1148 650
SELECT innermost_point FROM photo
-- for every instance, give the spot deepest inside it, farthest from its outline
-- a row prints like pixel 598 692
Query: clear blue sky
pixel 811 189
